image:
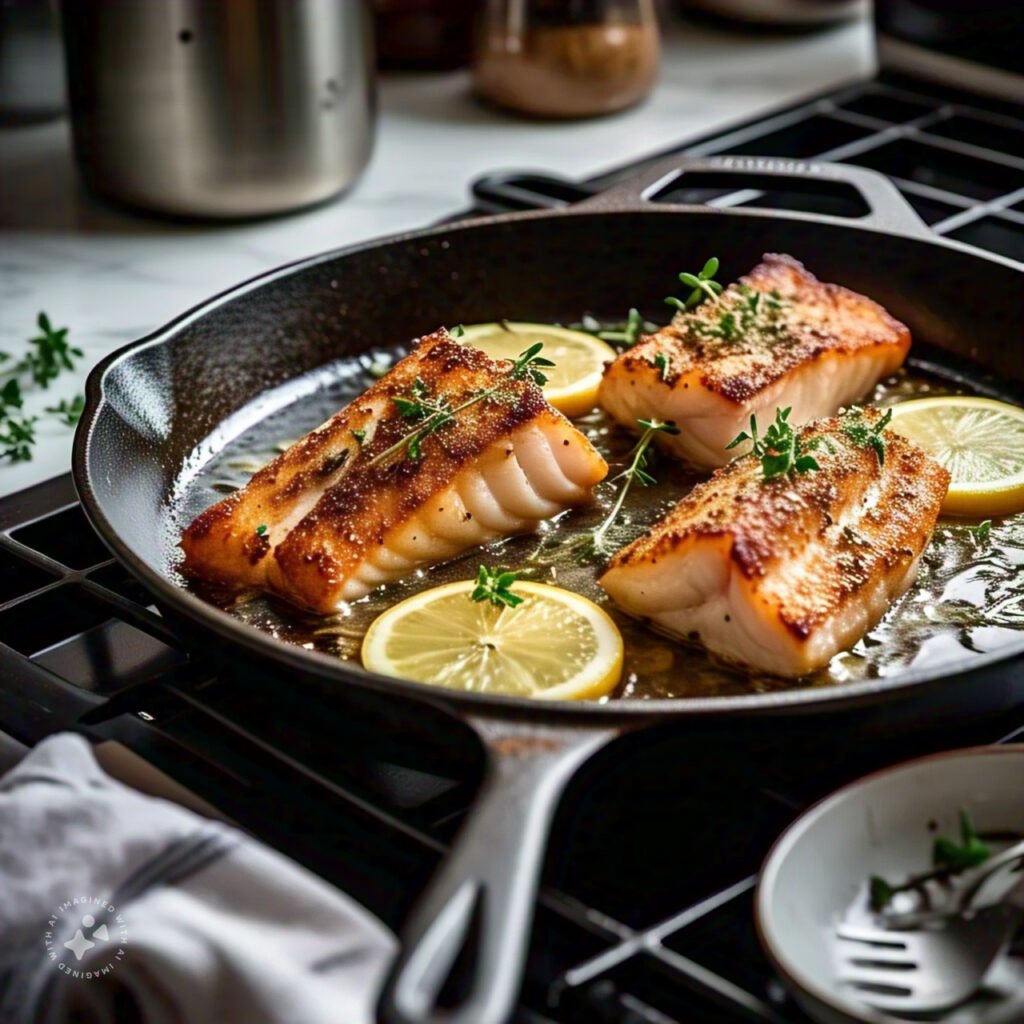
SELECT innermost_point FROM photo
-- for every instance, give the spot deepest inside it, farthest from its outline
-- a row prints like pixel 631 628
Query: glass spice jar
pixel 566 58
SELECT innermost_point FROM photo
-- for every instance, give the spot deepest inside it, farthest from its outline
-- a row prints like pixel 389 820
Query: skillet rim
pixel 801 700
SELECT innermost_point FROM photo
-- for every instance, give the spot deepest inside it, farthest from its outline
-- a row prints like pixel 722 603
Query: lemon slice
pixel 556 645
pixel 579 359
pixel 981 443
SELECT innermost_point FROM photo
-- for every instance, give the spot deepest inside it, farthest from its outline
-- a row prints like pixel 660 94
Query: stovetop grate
pixel 653 929
pixel 960 165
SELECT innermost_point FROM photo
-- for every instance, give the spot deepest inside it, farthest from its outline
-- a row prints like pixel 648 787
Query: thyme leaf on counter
pixel 949 858
pixel 703 285
pixel 781 450
pixel 69 413
pixel 636 471
pixel 495 586
pixel 432 413
pixel 863 435
pixel 48 355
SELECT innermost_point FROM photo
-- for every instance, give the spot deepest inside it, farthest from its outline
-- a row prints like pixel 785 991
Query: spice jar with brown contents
pixel 566 58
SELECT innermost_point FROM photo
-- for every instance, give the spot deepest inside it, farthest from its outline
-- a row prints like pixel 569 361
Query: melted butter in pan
pixel 968 598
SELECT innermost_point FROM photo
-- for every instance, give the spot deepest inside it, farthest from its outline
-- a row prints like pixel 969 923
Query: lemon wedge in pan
pixel 579 358
pixel 980 441
pixel 556 645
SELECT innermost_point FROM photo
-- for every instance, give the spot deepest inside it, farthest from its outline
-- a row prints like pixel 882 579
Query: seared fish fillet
pixel 789 341
pixel 781 574
pixel 343 514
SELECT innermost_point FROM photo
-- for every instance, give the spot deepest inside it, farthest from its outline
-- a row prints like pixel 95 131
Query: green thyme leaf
pixel 855 426
pixel 880 893
pixel 48 355
pixel 781 450
pixel 69 413
pixel 982 532
pixel 637 471
pixel 495 586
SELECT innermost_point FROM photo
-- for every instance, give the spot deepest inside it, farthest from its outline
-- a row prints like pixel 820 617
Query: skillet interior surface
pixel 163 410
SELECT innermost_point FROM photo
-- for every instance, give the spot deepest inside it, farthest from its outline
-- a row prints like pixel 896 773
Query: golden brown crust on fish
pixel 777 338
pixel 814 320
pixel 802 547
pixel 338 495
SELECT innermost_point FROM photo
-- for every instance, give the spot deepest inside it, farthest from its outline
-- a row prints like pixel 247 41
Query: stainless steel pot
pixel 220 108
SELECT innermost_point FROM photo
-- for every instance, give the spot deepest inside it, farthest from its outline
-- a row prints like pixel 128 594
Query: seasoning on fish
pixel 781 572
pixel 778 338
pixel 447 451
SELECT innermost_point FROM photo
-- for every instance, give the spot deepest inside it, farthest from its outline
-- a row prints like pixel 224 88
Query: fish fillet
pixel 781 574
pixel 805 345
pixel 336 515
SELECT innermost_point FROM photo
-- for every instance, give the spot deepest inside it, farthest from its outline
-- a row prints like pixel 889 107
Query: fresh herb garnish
pixel 968 853
pixel 457 331
pixel 17 435
pixel 261 530
pixel 981 532
pixel 359 435
pixel 741 312
pixel 781 450
pixel 637 470
pixel 496 587
pixel 862 434
pixel 69 413
pixel 432 413
pixel 630 333
pixel 703 284
pixel 48 355
pixel 949 858
pixel 661 363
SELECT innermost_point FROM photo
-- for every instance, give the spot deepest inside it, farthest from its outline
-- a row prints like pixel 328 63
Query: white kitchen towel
pixel 117 906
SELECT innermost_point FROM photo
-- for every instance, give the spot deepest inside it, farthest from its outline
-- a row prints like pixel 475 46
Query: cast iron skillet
pixel 158 409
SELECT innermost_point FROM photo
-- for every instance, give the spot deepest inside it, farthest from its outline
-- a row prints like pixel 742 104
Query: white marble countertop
pixel 112 276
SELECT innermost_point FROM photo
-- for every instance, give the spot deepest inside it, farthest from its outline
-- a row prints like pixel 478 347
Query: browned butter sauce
pixel 968 598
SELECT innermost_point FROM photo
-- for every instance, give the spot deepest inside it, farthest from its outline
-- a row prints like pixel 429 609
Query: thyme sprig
pixel 629 335
pixel 48 355
pixel 69 413
pixel 495 586
pixel 703 284
pixel 949 858
pixel 862 434
pixel 432 413
pixel 640 459
pixel 782 450
pixel 740 313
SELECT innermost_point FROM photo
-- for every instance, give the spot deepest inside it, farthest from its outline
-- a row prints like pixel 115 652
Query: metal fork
pixel 930 969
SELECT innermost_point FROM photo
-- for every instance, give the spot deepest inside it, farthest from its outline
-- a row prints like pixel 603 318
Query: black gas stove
pixel 645 914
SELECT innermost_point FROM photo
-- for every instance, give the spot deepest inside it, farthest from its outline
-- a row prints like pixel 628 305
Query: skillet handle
pixel 485 890
pixel 889 210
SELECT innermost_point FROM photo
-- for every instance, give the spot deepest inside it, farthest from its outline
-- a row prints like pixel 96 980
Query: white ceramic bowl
pixel 883 824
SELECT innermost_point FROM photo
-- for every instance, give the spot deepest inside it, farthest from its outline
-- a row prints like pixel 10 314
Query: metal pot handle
pixel 485 890
pixel 889 210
